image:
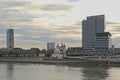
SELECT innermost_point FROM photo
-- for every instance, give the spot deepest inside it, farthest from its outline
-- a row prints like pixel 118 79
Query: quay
pixel 66 61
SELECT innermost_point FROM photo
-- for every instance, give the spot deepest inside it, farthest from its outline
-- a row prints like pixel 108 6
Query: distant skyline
pixel 37 22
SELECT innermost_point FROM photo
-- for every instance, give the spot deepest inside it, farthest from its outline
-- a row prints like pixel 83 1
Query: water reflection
pixel 95 73
pixel 10 71
pixel 86 72
pixel 15 71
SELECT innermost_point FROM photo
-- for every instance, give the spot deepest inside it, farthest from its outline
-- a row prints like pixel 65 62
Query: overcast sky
pixel 37 22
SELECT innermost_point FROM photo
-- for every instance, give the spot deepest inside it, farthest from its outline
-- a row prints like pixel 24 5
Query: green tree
pixel 11 53
pixel 37 51
pixel 48 55
pixel 17 49
pixel 1 54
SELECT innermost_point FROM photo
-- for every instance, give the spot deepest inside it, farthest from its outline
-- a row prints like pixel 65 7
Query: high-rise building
pixel 50 46
pixel 10 38
pixel 92 29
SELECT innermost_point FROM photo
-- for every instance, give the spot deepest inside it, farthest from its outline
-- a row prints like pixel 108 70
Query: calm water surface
pixel 16 71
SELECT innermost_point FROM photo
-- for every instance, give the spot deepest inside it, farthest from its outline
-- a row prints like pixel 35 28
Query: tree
pixel 11 53
pixel 17 48
pixel 48 55
pixel 17 51
pixel 37 51
pixel 1 54
pixel 44 50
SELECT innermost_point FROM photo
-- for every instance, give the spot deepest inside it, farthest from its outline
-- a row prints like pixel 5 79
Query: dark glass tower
pixel 10 38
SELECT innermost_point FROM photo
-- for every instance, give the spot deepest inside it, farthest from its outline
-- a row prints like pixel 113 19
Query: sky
pixel 37 22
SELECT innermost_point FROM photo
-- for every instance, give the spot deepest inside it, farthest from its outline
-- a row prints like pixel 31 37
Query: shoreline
pixel 73 62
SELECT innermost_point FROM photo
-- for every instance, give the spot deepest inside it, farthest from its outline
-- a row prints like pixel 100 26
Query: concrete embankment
pixel 77 62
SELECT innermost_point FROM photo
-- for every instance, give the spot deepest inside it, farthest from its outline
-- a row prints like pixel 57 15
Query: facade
pixel 78 51
pixel 93 35
pixel 59 52
pixel 10 38
pixel 103 40
pixel 18 52
pixel 91 26
pixel 50 46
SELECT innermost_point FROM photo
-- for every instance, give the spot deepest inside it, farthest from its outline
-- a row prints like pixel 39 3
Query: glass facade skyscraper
pixel 10 38
pixel 91 27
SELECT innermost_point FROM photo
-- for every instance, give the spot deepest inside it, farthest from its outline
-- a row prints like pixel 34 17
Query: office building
pixel 103 40
pixel 93 35
pixel 10 38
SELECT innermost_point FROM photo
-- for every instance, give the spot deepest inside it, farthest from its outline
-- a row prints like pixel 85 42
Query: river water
pixel 23 71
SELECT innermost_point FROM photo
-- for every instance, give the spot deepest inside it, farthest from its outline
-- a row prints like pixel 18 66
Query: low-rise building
pixel 78 51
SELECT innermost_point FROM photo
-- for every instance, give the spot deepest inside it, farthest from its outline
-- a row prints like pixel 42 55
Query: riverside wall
pixel 71 62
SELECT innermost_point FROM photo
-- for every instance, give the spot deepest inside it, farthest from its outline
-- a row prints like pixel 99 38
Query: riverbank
pixel 66 61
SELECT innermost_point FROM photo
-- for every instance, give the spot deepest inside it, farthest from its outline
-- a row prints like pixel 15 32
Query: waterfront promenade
pixel 67 61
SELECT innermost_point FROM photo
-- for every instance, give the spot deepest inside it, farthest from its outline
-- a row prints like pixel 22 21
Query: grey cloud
pixel 71 28
pixel 66 40
pixel 51 7
pixel 72 0
pixel 13 4
pixel 114 28
pixel 78 23
pixel 110 23
pixel 117 37
pixel 68 27
pixel 15 14
pixel 56 7
pixel 14 17
pixel 10 12
pixel 15 24
pixel 30 5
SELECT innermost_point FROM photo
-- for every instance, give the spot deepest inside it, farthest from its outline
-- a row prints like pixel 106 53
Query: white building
pixel 50 46
pixel 10 38
pixel 60 51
